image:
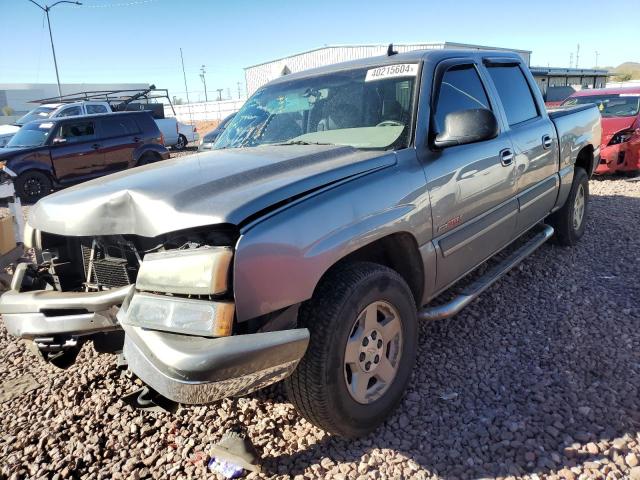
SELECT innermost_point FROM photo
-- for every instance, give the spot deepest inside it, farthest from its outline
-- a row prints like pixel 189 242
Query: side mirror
pixel 467 126
pixel 59 140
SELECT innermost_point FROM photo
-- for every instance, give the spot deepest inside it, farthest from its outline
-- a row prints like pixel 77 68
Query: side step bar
pixel 475 289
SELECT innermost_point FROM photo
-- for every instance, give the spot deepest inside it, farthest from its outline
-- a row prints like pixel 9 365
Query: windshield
pixel 363 108
pixel 31 135
pixel 622 105
pixel 39 113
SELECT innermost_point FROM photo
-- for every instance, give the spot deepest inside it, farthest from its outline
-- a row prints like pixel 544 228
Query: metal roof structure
pixel 259 74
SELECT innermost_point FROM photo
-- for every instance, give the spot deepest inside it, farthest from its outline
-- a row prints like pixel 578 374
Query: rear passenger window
pixel 70 112
pixel 461 89
pixel 119 127
pixel 96 109
pixel 77 132
pixel 514 93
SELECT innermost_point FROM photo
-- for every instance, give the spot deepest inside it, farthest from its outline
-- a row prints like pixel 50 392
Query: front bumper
pixel 198 370
pixel 43 313
pixel 184 368
pixel 623 157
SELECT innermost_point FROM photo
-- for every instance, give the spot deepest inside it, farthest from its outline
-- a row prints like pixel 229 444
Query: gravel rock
pixel 538 378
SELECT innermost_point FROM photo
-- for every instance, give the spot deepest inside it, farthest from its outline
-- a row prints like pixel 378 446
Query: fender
pixel 39 160
pixel 280 259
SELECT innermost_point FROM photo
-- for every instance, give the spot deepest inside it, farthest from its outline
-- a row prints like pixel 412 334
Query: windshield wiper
pixel 302 142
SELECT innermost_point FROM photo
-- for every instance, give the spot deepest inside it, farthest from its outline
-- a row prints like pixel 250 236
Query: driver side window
pixel 77 132
pixel 461 89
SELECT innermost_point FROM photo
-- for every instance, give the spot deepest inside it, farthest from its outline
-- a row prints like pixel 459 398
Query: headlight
pixel 623 136
pixel 181 315
pixel 198 271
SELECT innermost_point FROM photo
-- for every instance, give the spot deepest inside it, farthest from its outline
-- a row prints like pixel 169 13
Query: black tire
pixel 318 387
pixel 182 143
pixel 32 185
pixel 566 231
pixel 147 158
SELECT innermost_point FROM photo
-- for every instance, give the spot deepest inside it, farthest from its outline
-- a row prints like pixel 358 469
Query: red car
pixel 620 110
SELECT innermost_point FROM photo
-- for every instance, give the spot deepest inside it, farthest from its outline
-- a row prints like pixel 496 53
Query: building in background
pixel 556 84
pixel 18 95
pixel 258 75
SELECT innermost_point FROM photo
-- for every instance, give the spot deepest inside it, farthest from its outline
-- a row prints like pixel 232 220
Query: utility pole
pixel 239 91
pixel 46 9
pixel 184 75
pixel 597 55
pixel 204 81
pixel 219 90
pixel 577 55
pixel 571 60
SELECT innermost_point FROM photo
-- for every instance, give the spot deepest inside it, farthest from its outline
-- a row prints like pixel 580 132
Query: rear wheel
pixel 182 143
pixel 362 349
pixel 147 158
pixel 33 185
pixel 570 221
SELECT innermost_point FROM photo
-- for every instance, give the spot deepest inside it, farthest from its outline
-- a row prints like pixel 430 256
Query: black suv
pixel 57 152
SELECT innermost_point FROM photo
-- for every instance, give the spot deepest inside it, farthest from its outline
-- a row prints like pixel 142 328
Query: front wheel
pixel 31 186
pixel 364 336
pixel 570 221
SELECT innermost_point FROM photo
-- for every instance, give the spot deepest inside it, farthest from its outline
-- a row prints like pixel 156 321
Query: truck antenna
pixel 391 51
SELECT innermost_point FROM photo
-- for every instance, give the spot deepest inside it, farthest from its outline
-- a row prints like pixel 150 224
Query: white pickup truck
pixel 175 134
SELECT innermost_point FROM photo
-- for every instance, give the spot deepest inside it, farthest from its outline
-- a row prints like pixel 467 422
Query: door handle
pixel 95 146
pixel 506 157
pixel 547 142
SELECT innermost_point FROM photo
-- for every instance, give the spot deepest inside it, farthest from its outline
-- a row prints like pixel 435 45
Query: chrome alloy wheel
pixel 373 352
pixel 578 208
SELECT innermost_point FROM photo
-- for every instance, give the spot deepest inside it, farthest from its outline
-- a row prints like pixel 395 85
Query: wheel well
pixel 151 155
pixel 39 170
pixel 398 252
pixel 585 159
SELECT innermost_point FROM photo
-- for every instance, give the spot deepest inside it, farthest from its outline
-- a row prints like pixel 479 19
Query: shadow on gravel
pixel 540 374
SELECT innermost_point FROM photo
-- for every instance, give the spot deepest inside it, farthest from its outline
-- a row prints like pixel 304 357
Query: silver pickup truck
pixel 337 207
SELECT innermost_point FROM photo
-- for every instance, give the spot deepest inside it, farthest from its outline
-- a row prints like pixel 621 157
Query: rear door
pixel 471 187
pixel 534 139
pixel 75 151
pixel 120 138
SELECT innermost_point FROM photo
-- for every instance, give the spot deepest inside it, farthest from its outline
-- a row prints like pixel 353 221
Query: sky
pixel 139 41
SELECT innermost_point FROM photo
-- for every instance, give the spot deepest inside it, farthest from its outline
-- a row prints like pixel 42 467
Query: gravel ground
pixel 539 378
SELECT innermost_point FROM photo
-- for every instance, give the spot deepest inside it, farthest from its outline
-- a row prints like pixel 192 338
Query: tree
pixel 178 101
pixel 7 110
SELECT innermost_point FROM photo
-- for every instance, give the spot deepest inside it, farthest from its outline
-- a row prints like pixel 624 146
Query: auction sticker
pixel 392 71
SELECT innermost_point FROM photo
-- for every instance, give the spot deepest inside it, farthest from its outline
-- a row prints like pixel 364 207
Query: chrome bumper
pixel 42 313
pixel 198 370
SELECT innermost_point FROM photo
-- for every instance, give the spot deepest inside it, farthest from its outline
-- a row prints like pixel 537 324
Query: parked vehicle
pixel 186 134
pixel 210 138
pixel 620 110
pixel 175 134
pixel 339 204
pixel 63 151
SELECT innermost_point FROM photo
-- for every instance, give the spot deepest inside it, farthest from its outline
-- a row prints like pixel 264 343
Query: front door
pixel 472 187
pixel 75 151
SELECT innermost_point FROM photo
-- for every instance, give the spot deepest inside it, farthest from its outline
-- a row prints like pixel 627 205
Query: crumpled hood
pixel 612 125
pixel 223 186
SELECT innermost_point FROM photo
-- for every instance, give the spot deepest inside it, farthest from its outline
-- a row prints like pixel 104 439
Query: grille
pixel 112 266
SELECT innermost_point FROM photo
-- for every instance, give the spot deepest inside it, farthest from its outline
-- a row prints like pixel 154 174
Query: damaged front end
pixel 166 303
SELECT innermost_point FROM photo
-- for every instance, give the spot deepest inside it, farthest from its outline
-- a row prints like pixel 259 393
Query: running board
pixel 475 289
